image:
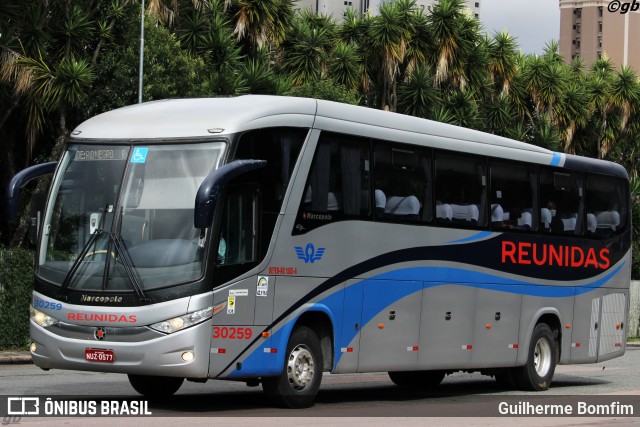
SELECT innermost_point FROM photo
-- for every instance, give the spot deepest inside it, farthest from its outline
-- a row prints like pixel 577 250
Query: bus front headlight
pixel 42 319
pixel 176 324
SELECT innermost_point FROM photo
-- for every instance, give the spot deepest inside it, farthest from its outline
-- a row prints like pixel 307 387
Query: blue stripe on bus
pixel 556 159
pixel 386 289
pixel 477 236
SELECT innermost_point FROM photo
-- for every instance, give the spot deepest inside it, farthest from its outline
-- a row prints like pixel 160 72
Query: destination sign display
pixel 89 154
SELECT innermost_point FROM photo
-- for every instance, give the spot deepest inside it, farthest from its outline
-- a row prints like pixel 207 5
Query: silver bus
pixel 270 239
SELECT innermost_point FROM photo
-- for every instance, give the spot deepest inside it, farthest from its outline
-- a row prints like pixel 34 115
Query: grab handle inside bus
pixel 20 180
pixel 213 186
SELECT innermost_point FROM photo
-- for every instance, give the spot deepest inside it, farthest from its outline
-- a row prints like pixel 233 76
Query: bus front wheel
pixel 154 386
pixel 536 375
pixel 298 385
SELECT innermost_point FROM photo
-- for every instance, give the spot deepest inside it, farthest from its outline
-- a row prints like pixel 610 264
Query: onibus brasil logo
pixel 310 253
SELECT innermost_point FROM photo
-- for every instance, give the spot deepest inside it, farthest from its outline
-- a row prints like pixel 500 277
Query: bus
pixel 270 239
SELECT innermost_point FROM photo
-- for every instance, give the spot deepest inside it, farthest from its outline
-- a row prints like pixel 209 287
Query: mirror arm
pixel 20 180
pixel 213 186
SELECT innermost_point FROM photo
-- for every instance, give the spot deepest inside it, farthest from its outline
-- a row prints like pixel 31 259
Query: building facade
pixel 336 8
pixel 590 30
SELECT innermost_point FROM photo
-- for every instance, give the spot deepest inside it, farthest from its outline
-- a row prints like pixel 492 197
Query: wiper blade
pixel 128 265
pixel 76 264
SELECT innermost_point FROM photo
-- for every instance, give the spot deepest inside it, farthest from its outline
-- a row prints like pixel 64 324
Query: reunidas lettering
pixel 543 254
pixel 102 317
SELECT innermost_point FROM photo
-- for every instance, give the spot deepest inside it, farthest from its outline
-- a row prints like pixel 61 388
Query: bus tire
pixel 154 386
pixel 536 375
pixel 417 379
pixel 299 382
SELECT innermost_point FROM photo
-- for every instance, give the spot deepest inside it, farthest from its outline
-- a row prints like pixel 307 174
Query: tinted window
pixel 461 191
pixel 606 206
pixel 513 201
pixel 338 186
pixel 402 189
pixel 561 203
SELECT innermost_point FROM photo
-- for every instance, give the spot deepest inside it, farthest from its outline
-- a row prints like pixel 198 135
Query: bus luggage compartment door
pixel 390 326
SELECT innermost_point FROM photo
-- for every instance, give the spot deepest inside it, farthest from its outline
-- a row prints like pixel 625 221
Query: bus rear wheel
pixel 154 386
pixel 541 364
pixel 417 379
pixel 298 384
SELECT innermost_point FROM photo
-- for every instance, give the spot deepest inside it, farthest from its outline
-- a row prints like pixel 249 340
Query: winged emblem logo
pixel 310 253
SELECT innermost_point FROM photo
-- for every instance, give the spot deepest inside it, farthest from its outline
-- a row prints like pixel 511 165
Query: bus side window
pixel 561 203
pixel 513 197
pixel 338 186
pixel 606 206
pixel 280 147
pixel 461 188
pixel 237 248
pixel 402 183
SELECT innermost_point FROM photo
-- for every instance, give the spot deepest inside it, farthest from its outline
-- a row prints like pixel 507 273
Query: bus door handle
pixel 392 315
pixel 596 326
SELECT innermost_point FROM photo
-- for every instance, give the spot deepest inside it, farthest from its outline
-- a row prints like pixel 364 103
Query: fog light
pixel 33 347
pixel 187 356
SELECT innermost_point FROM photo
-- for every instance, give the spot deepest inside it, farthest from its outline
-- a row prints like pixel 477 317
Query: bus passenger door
pixel 390 326
pixel 586 327
pixel 604 312
pixel 612 324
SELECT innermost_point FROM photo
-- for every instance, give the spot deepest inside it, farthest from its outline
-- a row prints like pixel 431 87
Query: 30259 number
pixel 38 303
pixel 232 333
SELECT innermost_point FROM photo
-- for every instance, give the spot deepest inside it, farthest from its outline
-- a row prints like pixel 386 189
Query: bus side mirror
pixel 20 180
pixel 213 186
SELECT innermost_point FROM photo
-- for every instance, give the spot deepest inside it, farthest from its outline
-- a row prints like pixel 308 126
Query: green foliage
pixel 16 284
pixel 326 89
pixel 169 71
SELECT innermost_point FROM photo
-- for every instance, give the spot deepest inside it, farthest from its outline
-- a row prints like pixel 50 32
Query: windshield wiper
pixel 120 249
pixel 76 264
pixel 128 265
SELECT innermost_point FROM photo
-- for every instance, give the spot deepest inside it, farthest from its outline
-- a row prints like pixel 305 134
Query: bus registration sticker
pixel 263 286
pixel 231 304
pixel 99 355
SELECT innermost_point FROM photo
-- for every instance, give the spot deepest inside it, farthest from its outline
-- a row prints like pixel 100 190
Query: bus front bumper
pixel 163 355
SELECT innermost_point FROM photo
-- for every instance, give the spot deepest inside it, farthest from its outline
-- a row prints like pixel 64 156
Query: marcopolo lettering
pixel 544 254
pixel 102 317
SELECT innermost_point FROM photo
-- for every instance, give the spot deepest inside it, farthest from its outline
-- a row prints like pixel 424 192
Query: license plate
pixel 99 355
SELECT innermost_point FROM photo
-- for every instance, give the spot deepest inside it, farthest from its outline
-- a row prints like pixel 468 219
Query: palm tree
pixel 389 37
pixel 260 22
pixel 345 65
pixel 420 45
pixel 572 112
pixel 417 96
pixel 447 22
pixel 306 54
pixel 599 87
pixel 502 64
pixel 625 93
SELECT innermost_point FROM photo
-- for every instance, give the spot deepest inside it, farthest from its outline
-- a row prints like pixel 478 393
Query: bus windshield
pixel 122 213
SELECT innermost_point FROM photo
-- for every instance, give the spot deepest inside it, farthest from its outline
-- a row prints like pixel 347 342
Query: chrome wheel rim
pixel 542 357
pixel 300 367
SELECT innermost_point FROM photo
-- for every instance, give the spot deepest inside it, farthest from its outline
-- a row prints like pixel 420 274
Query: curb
pixel 15 357
pixel 24 357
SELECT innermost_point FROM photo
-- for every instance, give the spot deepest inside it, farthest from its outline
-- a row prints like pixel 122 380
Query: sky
pixel 533 22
